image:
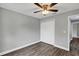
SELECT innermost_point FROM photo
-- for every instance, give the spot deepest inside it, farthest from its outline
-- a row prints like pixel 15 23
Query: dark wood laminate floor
pixel 42 49
pixel 75 44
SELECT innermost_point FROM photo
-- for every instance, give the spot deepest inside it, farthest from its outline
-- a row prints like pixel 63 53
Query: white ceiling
pixel 29 8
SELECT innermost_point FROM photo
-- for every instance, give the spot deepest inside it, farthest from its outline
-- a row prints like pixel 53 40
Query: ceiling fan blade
pixel 53 10
pixel 52 4
pixel 37 4
pixel 37 11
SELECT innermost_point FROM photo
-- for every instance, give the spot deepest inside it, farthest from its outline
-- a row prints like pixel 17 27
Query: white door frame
pixel 69 23
pixel 69 28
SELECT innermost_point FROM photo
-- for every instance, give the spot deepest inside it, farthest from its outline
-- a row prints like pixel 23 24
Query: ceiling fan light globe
pixel 45 12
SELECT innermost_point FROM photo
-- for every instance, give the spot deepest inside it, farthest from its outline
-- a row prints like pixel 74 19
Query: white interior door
pixel 47 32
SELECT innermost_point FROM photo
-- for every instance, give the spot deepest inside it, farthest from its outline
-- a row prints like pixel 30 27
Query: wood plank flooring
pixel 75 44
pixel 42 49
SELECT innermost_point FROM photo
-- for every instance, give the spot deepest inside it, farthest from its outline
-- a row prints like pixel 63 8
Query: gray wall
pixel 78 29
pixel 17 30
pixel 61 26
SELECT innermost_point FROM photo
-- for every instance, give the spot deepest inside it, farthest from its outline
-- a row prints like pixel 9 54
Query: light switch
pixel 64 31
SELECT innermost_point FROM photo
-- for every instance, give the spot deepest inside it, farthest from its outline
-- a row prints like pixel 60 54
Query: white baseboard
pixel 56 46
pixel 47 42
pixel 5 52
pixel 61 47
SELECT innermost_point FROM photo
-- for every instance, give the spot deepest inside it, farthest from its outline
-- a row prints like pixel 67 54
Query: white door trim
pixel 69 26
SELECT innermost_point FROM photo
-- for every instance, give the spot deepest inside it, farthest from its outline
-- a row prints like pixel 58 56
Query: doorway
pixel 74 32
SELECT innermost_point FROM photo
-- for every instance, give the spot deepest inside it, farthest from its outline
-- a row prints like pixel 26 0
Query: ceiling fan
pixel 46 8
